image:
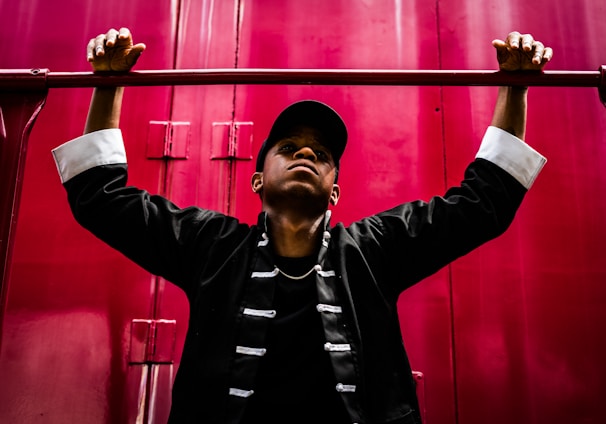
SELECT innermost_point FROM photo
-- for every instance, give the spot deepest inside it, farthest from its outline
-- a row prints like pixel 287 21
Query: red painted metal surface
pixel 71 300
pixel 529 307
pixel 509 333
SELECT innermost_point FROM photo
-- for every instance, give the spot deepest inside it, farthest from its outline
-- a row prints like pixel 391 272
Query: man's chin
pixel 299 195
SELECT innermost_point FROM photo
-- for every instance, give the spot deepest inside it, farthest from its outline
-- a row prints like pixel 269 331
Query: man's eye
pixel 286 148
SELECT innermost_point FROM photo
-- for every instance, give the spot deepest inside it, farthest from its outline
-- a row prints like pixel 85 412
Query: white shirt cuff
pixel 512 155
pixel 103 147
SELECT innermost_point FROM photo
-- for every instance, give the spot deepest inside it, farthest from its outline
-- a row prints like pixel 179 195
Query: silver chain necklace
pixel 316 267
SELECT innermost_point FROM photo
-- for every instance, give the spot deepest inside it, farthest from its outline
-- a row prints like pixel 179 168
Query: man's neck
pixel 294 236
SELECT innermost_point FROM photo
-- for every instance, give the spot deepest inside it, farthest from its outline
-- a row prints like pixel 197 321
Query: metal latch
pixel 168 140
pixel 152 341
pixel 231 140
pixel 419 380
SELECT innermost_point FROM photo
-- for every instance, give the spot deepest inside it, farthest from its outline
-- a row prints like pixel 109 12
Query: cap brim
pixel 314 114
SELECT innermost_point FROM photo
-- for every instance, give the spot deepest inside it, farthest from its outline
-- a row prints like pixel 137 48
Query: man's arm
pixel 519 52
pixel 150 230
pixel 105 108
pixel 418 238
pixel 112 51
pixel 510 111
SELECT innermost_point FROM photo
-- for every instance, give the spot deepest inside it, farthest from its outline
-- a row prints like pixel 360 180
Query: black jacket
pixel 210 256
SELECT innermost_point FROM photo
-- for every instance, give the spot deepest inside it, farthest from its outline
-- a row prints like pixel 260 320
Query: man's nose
pixel 306 152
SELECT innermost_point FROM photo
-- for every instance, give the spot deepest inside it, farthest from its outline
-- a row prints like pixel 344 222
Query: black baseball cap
pixel 311 113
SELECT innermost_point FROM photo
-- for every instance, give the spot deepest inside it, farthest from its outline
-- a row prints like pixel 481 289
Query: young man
pixel 292 319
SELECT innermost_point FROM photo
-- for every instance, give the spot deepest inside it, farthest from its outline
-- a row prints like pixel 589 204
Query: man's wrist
pixel 517 90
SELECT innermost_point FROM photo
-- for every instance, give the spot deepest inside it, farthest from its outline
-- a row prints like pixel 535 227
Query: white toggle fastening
pixel 326 273
pixel 325 238
pixel 266 274
pixel 335 347
pixel 265 240
pixel 265 313
pixel 240 392
pixel 342 388
pixel 255 351
pixel 321 307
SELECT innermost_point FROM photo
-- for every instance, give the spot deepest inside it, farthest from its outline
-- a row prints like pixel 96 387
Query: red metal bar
pixel 34 78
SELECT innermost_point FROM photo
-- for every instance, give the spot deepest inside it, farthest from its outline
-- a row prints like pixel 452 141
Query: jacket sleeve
pixel 150 230
pixel 416 239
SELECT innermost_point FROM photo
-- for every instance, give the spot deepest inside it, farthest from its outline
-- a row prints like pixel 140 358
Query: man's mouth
pixel 303 165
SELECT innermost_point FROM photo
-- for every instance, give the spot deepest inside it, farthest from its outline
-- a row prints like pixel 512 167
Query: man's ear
pixel 336 193
pixel 256 182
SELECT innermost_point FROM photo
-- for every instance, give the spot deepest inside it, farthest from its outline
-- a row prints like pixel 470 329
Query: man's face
pixel 300 167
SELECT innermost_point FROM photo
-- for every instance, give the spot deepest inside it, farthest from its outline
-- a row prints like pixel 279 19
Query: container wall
pixel 509 333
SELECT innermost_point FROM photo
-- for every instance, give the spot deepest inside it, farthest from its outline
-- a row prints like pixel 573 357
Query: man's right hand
pixel 113 51
pixel 521 52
